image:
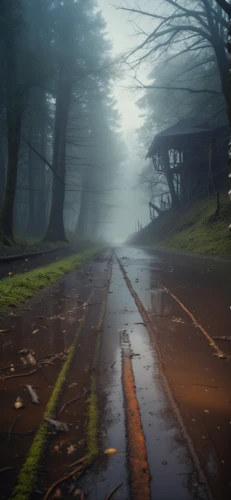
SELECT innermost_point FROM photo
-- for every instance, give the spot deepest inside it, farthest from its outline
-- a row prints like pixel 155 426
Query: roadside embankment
pixel 194 228
pixel 16 289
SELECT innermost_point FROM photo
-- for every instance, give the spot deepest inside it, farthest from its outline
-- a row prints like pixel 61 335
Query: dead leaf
pixel 18 403
pixel 59 426
pixel 220 355
pixel 35 331
pixel 178 320
pixel 33 395
pixel 206 411
pixel 30 359
pixel 58 493
pixel 70 449
pixel 110 451
pixel 5 331
pixel 79 493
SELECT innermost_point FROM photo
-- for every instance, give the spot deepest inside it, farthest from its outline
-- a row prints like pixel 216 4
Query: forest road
pixel 165 378
pixel 155 334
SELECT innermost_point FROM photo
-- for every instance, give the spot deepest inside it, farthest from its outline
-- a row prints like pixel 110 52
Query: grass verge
pixel 193 229
pixel 28 474
pixel 92 428
pixel 17 289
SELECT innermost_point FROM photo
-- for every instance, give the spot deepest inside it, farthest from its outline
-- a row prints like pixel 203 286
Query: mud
pixel 45 326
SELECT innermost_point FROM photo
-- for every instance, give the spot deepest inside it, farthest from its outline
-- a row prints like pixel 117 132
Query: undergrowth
pixel 17 289
pixel 192 229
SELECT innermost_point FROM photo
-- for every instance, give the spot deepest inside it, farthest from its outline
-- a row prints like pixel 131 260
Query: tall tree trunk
pixel 31 172
pixel 41 224
pixel 221 57
pixel 2 168
pixel 14 121
pixel 41 199
pixel 81 227
pixel 55 230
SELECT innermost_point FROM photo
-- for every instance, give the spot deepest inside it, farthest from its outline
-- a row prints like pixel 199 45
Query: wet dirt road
pixel 163 378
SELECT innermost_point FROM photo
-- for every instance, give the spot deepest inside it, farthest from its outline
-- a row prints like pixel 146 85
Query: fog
pixel 85 88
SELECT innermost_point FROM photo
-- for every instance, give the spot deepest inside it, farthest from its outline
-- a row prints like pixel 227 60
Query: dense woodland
pixel 60 141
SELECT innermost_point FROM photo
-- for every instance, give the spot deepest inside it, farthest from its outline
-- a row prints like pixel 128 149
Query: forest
pixel 115 249
pixel 60 140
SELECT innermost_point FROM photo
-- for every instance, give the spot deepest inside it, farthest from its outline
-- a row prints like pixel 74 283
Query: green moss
pixel 193 229
pixel 93 411
pixel 93 420
pixel 28 474
pixel 17 289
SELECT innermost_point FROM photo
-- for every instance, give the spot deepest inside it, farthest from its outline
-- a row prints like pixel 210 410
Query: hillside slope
pixel 194 228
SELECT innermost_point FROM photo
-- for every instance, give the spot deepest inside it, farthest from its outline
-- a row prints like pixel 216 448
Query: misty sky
pixel 133 205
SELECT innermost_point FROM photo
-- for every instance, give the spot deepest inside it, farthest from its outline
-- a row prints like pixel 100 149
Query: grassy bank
pixel 29 245
pixel 192 229
pixel 17 289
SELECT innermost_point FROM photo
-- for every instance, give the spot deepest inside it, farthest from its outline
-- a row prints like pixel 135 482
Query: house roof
pixel 184 127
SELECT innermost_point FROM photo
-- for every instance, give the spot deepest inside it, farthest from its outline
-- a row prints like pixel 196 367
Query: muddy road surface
pixel 139 342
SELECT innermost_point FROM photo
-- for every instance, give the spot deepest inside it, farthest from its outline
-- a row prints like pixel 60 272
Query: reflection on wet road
pixel 163 377
pixel 182 298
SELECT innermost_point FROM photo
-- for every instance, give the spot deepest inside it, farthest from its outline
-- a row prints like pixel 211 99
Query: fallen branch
pixel 210 386
pixel 21 374
pixel 6 367
pixel 78 461
pixel 113 491
pixel 72 401
pixel 5 469
pixel 89 337
pixel 78 469
pixel 12 426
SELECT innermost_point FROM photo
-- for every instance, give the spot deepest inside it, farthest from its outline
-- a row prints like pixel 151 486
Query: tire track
pixel 151 330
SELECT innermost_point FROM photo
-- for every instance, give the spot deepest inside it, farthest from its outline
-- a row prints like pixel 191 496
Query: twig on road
pixel 78 469
pixel 5 469
pixel 72 401
pixel 113 491
pixel 210 386
pixel 78 461
pixel 12 426
pixel 21 374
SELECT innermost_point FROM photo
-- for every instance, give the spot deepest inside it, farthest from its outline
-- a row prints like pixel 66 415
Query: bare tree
pixel 200 27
